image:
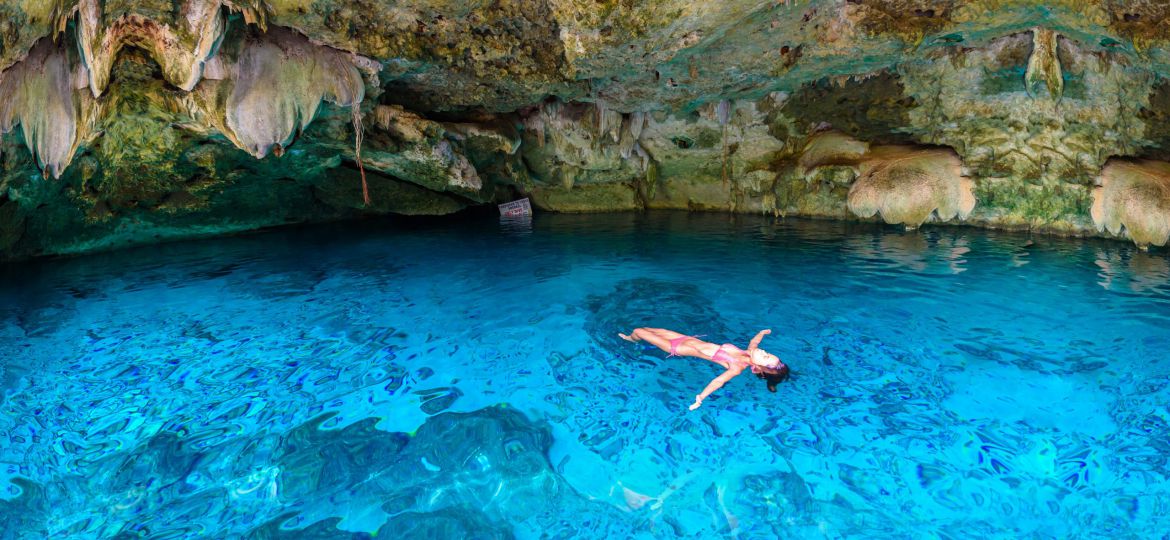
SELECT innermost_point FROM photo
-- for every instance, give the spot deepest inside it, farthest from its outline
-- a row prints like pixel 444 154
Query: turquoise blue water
pixel 442 379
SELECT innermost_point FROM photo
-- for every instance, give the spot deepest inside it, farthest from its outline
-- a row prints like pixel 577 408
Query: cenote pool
pixel 443 379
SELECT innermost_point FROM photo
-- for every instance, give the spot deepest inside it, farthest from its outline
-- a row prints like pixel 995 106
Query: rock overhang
pixel 583 105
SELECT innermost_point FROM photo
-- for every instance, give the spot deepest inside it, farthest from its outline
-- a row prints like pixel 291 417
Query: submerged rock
pixel 485 472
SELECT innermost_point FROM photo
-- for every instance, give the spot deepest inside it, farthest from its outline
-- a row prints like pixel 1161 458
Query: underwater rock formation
pixel 1133 199
pixel 314 480
pixel 156 119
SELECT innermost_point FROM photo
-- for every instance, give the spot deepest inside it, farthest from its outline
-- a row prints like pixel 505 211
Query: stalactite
pixel 637 122
pixel 254 11
pixel 1134 197
pixel 181 54
pixel 651 179
pixel 281 80
pixel 723 112
pixel 907 184
pixel 38 95
pixel 534 123
pixel 602 118
pixel 1044 65
pixel 643 156
pixel 631 131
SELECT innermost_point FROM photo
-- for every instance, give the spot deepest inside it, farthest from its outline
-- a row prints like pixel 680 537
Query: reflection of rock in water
pixel 1141 273
pixel 918 251
pixel 460 475
pixel 1149 271
pixel 655 303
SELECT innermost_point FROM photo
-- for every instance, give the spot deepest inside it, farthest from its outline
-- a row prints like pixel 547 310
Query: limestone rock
pixel 39 95
pixel 279 82
pixel 908 186
pixel 1133 198
pixel 176 116
pixel 181 46
pixel 831 148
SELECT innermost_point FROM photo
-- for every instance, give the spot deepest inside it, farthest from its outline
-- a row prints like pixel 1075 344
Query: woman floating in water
pixel 764 364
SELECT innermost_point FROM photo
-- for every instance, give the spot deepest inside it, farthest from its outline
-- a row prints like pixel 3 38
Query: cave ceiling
pixel 145 105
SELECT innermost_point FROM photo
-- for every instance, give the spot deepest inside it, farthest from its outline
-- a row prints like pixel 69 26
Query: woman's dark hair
pixel 774 377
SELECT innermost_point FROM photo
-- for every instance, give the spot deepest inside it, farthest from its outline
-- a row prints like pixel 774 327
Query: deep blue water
pixel 463 379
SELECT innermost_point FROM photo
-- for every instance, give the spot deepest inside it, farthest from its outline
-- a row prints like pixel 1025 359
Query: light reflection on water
pixel 452 380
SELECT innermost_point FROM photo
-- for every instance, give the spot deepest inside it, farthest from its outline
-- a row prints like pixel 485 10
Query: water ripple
pixel 439 380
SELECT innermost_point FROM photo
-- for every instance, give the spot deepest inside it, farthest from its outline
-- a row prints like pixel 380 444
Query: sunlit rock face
pixel 132 121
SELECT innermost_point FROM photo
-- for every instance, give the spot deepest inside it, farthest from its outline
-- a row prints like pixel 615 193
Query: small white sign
pixel 516 208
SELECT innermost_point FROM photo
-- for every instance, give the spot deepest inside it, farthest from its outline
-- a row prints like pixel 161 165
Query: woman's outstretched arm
pixel 714 385
pixel 756 340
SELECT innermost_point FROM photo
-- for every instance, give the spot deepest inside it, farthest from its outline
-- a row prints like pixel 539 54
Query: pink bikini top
pixel 730 355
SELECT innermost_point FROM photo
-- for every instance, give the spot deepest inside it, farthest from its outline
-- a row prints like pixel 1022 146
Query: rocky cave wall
pixel 134 121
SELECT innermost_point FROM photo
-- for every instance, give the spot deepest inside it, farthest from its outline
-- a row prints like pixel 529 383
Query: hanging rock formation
pixel 1133 199
pixel 1044 65
pixel 272 88
pixel 40 95
pixel 174 118
pixel 181 47
pixel 907 185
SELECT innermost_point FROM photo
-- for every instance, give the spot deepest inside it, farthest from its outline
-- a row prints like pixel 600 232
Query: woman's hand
pixel 697 403
pixel 759 337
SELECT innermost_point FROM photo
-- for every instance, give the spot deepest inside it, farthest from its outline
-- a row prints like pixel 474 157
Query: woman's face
pixel 763 358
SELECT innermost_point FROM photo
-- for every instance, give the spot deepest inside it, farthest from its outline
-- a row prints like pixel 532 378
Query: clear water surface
pixel 463 379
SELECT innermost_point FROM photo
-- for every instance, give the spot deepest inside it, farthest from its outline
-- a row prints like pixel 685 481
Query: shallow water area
pixel 455 379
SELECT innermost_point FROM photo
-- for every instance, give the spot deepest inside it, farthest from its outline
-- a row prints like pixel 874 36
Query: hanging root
pixel 357 150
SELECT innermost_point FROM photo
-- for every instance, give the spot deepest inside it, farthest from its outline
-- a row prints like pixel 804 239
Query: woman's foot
pixel 631 339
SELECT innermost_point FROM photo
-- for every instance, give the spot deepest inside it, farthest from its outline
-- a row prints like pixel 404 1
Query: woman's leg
pixel 659 337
